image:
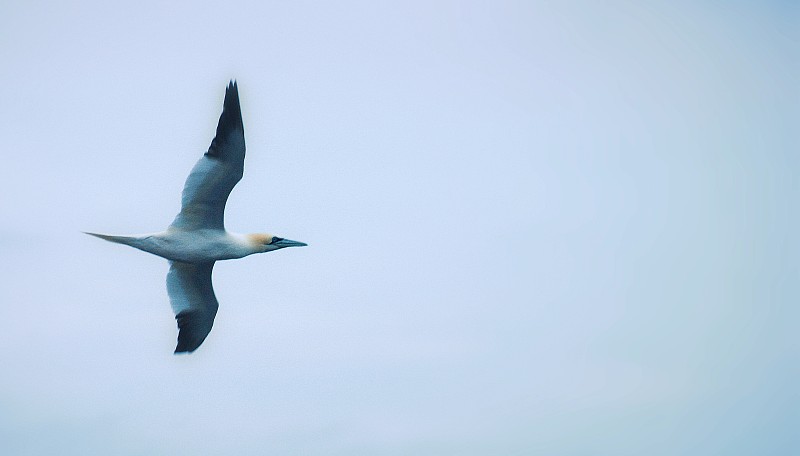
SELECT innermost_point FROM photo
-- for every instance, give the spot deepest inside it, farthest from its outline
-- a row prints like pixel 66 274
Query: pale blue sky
pixel 535 228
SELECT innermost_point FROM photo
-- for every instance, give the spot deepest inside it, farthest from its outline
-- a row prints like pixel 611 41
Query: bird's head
pixel 266 242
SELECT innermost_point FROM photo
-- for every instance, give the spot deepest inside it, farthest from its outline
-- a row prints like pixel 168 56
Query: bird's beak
pixel 289 243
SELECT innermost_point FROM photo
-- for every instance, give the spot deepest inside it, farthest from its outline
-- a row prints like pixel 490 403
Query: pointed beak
pixel 289 243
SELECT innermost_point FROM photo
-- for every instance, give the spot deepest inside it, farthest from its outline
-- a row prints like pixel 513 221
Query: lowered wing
pixel 193 301
pixel 216 173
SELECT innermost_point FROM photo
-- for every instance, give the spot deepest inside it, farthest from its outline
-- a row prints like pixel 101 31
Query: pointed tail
pixel 127 240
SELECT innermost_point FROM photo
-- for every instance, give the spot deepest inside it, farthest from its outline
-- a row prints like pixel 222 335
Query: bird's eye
pixel 276 239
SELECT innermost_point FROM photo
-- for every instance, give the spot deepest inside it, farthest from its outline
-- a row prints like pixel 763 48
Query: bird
pixel 196 239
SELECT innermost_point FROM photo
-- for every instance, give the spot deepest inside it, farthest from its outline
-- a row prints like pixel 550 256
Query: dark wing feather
pixel 193 301
pixel 217 172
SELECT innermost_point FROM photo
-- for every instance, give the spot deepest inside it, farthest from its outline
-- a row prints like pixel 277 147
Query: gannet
pixel 196 239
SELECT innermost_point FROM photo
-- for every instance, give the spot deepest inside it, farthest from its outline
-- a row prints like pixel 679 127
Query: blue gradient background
pixel 557 228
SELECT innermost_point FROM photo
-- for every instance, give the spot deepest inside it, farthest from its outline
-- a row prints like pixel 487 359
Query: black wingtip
pixel 231 108
pixel 186 347
pixel 229 121
pixel 191 331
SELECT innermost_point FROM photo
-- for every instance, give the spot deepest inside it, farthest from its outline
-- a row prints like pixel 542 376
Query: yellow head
pixel 265 242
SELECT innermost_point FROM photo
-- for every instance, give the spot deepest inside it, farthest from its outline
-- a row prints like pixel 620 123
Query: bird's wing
pixel 216 173
pixel 193 301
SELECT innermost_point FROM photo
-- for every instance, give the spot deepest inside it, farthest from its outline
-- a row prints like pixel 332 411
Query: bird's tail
pixel 127 240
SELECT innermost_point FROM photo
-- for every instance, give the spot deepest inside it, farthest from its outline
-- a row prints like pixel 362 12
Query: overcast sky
pixel 551 228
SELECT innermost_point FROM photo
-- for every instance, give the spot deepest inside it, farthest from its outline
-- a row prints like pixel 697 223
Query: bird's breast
pixel 197 246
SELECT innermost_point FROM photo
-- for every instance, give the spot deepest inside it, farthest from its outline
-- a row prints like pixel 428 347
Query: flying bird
pixel 197 238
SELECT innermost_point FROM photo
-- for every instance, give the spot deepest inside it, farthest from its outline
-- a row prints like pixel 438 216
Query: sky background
pixel 557 228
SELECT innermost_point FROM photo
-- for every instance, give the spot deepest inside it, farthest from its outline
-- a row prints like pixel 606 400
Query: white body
pixel 196 246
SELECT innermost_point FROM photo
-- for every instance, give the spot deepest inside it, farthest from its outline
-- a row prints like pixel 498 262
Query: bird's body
pixel 197 238
pixel 192 246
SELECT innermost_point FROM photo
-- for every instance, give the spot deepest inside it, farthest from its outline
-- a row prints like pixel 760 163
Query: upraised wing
pixel 192 297
pixel 216 173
